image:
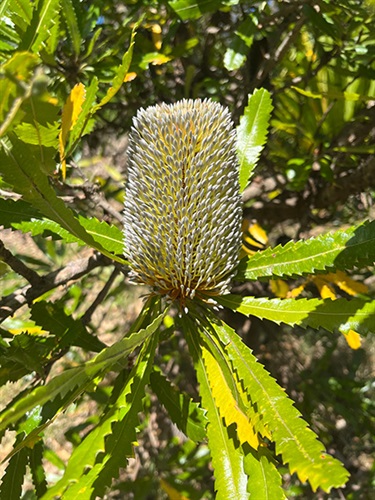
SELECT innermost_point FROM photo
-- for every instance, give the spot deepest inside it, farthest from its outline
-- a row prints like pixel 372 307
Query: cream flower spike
pixel 183 212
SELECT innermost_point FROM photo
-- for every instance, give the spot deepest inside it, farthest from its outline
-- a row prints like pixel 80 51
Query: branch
pixel 93 193
pixel 10 194
pixel 99 200
pixel 318 194
pixel 271 60
pixel 86 318
pixel 72 271
pixel 308 75
pixel 18 266
pixel 358 181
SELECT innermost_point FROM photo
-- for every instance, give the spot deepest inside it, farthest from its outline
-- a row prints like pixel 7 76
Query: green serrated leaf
pixel 74 379
pixel 32 183
pixel 69 331
pixel 252 133
pixel 227 403
pixel 120 443
pixel 185 413
pixel 343 250
pixel 70 17
pixel 333 315
pixel 19 12
pixel 5 7
pixel 25 354
pixel 227 458
pixel 37 134
pixel 11 370
pixel 16 211
pixel 265 480
pixel 8 38
pixel 89 108
pixel 87 111
pixel 51 43
pixel 297 444
pixel 121 72
pixel 45 227
pixel 108 236
pixel 71 383
pixel 109 444
pixel 37 470
pixel 44 17
pixel 11 485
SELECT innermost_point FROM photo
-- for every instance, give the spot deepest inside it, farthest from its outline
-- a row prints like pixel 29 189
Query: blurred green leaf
pixel 20 12
pixel 45 15
pixel 13 90
pixel 237 52
pixel 12 481
pixel 193 9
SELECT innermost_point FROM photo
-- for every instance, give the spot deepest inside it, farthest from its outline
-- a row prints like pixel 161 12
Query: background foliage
pixel 317 173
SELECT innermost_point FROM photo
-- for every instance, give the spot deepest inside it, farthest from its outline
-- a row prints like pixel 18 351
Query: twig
pixel 103 203
pixel 91 192
pixel 9 194
pixel 291 205
pixel 86 318
pixel 273 59
pixel 358 181
pixel 308 75
pixel 18 266
pixel 72 271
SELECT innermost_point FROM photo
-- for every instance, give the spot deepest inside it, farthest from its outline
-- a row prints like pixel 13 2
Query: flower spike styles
pixel 183 206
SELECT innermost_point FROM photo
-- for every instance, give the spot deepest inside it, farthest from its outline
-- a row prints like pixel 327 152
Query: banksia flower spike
pixel 183 206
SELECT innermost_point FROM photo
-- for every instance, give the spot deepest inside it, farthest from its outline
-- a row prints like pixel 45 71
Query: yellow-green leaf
pixel 70 114
pixel 346 283
pixel 353 339
pixel 226 403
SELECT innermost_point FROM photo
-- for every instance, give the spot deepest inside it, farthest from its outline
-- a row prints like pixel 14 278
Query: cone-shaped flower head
pixel 183 206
